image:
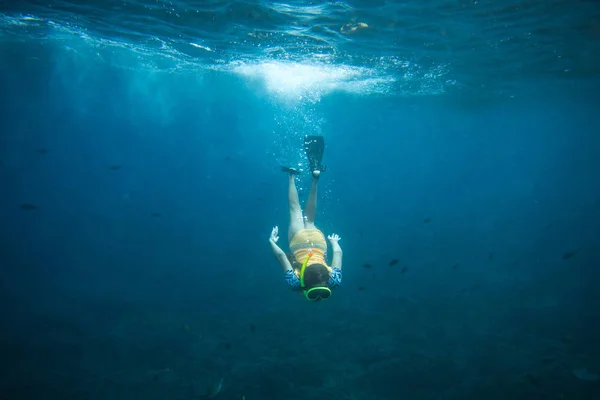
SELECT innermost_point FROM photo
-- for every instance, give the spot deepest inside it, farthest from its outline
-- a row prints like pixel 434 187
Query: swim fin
pixel 315 147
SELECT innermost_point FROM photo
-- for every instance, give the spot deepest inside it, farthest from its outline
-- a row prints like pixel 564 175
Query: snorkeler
pixel 306 269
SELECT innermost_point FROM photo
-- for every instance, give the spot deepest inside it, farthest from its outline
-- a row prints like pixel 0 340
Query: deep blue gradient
pixel 136 205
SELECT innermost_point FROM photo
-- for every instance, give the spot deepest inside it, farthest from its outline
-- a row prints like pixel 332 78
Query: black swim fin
pixel 315 147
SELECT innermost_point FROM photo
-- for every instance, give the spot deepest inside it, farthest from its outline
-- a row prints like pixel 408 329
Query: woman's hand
pixel 281 256
pixel 334 238
pixel 274 235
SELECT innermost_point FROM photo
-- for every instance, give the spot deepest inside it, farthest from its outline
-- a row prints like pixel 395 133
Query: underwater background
pixel 140 146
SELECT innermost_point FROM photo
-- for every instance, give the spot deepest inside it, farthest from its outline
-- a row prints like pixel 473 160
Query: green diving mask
pixel 317 292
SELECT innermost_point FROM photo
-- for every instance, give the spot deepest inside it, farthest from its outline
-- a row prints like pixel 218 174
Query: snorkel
pixel 303 268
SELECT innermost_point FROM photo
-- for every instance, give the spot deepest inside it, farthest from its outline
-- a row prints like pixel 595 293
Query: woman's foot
pixel 316 173
pixel 291 171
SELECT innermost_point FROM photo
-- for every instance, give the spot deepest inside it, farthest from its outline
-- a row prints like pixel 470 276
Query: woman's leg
pixel 296 218
pixel 311 204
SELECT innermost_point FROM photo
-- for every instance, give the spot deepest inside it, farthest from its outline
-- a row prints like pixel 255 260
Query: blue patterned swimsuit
pixel 335 279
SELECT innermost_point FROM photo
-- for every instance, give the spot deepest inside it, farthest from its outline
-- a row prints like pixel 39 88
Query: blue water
pixel 140 149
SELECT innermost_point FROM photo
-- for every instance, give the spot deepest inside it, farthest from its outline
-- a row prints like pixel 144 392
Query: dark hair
pixel 316 275
pixel 293 262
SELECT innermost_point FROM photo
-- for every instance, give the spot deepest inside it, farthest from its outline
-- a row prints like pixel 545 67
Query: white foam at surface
pixel 298 81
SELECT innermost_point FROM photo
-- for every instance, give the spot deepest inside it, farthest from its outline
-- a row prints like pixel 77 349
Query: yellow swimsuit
pixel 307 240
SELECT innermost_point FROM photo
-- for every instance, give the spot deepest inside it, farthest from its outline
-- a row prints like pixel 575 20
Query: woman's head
pixel 316 275
pixel 316 282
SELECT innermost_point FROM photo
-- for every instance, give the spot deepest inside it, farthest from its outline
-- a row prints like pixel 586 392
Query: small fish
pixel 394 262
pixel 156 374
pixel 155 214
pixel 213 390
pixel 490 256
pixel 548 360
pixel 28 207
pixel 252 328
pixel 367 266
pixel 361 288
pixel 585 375
pixel 374 275
pixel 566 339
pixel 455 266
pixel 427 220
pixel 228 346
pixel 114 167
pixel 534 380
pixel 568 254
pixel 403 270
pixel 43 151
pixel 470 289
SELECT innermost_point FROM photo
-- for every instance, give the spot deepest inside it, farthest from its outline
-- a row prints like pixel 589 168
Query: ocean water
pixel 140 151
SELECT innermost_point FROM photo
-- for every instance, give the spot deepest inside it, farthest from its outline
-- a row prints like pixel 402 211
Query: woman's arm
pixel 281 257
pixel 336 262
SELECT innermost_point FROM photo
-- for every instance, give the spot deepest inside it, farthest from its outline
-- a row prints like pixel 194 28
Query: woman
pixel 306 268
